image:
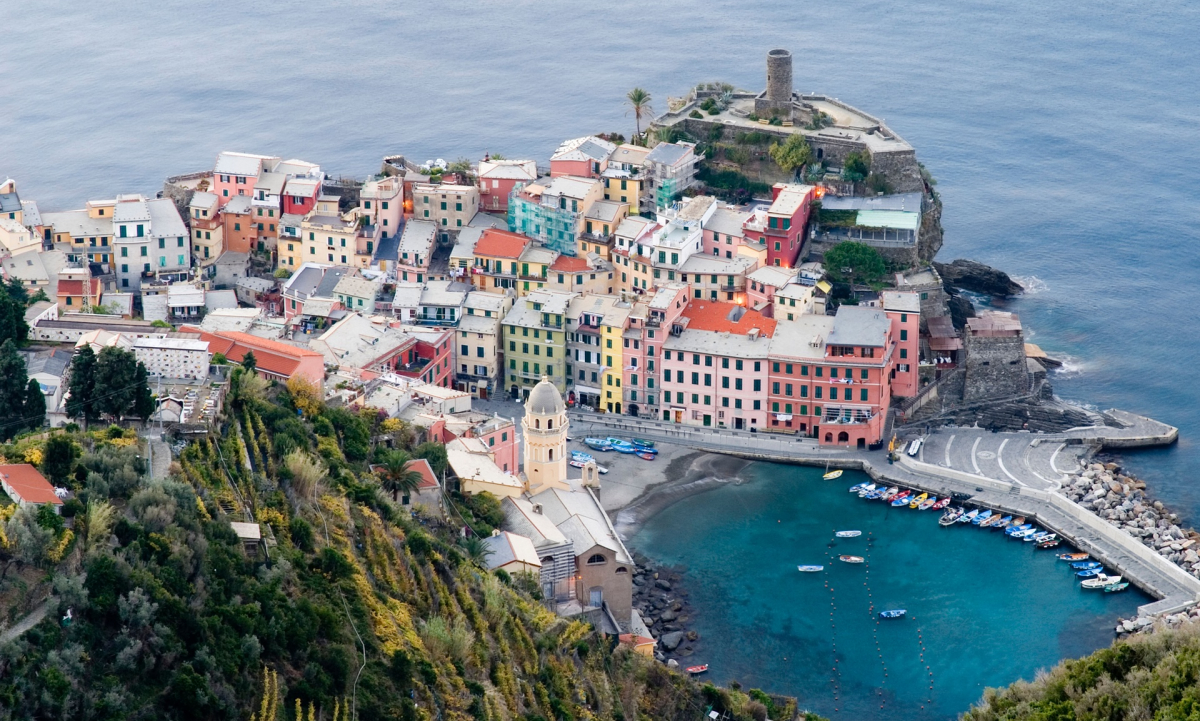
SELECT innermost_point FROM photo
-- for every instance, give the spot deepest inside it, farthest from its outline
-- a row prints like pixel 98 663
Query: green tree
pixel 143 400
pixel 34 407
pixel 12 391
pixel 856 166
pixel 638 101
pixel 12 313
pixel 433 452
pixel 396 476
pixel 17 291
pixel 116 377
pixel 59 457
pixel 82 387
pixel 249 362
pixel 792 153
pixel 852 262
pixel 475 549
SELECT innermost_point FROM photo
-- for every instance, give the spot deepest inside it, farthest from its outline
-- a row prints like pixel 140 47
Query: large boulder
pixel 671 641
pixel 978 278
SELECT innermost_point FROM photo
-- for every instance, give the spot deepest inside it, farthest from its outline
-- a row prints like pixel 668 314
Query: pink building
pixel 383 202
pixel 904 309
pixel 763 284
pixel 724 231
pixel 236 174
pixel 780 227
pixel 581 157
pixel 430 359
pixel 649 327
pixel 715 367
pixel 500 435
pixel 497 178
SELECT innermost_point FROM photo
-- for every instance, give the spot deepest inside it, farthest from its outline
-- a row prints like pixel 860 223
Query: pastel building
pixel 585 157
pixel 724 232
pixel 671 169
pixel 553 213
pixel 715 367
pixel 496 263
pixel 449 207
pixel 174 357
pixel 535 341
pixel 595 350
pixel 382 201
pixel 417 243
pixel 208 231
pixel 764 283
pixel 498 178
pixel 237 174
pixel 718 278
pixel 150 240
pixel 650 322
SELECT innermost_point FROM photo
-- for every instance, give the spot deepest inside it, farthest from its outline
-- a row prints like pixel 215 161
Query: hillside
pixel 1154 676
pixel 358 607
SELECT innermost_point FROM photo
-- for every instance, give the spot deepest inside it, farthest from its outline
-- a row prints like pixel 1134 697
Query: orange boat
pixel 694 670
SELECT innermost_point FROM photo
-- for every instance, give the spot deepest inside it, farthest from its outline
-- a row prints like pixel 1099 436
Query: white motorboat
pixel 1100 581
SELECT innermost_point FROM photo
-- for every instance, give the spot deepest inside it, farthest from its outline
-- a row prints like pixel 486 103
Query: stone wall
pixel 900 169
pixel 995 367
pixel 904 256
pixel 929 239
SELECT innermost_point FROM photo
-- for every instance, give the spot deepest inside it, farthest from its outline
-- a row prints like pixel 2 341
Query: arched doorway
pixel 633 409
pixel 829 438
pixel 515 391
pixel 843 437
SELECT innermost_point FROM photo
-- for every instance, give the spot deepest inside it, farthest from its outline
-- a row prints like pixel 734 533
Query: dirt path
pixel 34 618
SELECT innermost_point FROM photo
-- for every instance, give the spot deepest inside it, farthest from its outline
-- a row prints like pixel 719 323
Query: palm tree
pixel 396 476
pixel 475 549
pixel 639 102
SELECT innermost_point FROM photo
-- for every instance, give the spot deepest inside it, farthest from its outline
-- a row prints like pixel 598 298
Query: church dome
pixel 545 400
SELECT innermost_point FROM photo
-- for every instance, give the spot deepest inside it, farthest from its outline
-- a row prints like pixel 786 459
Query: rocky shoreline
pixel 1120 499
pixel 661 599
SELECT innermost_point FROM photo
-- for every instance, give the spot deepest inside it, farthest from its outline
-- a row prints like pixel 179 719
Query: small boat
pixel 1037 537
pixel 810 569
pixel 1047 537
pixel 901 498
pixel 914 448
pixel 1001 522
pixel 1047 544
pixel 1083 565
pixel 1015 528
pixel 626 448
pixel 949 517
pixel 1089 573
pixel 645 455
pixel 857 487
pixel 864 491
pixel 968 517
pixel 918 500
pixel 1022 535
pixel 694 670
pixel 1018 521
pixel 643 449
pixel 848 534
pixel 576 464
pixel 941 504
pixel 889 494
pixel 833 475
pixel 1116 587
pixel 597 444
pixel 1100 581
pixel 645 444
pixel 1073 557
pixel 982 517
pixel 581 456
pixel 927 503
pixel 894 613
pixel 851 559
pixel 990 521
pixel 875 494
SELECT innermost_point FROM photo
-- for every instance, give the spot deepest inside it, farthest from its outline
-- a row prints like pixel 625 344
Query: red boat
pixel 941 504
pixel 645 455
pixel 694 670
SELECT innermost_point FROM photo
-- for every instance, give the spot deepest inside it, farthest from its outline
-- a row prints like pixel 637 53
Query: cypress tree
pixel 34 410
pixel 116 375
pixel 82 385
pixel 143 401
pixel 12 390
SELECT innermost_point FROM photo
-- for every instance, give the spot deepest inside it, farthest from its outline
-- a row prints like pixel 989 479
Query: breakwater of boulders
pixel 1121 499
pixel 661 599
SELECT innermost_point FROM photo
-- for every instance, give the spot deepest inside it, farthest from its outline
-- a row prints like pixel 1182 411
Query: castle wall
pixel 995 367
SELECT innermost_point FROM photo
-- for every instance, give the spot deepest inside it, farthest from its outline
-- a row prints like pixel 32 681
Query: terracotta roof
pixel 70 287
pixel 634 640
pixel 501 244
pixel 271 356
pixel 27 483
pixel 420 465
pixel 570 264
pixel 717 317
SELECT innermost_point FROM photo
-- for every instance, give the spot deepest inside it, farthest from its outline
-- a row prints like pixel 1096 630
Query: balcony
pixel 415 366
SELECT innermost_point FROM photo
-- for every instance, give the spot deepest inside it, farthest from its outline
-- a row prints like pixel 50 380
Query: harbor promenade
pixel 1019 473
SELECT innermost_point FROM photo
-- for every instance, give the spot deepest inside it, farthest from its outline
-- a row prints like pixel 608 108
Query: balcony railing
pixel 413 367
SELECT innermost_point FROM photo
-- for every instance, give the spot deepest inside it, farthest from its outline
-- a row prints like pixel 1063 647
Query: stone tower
pixel 779 76
pixel 544 429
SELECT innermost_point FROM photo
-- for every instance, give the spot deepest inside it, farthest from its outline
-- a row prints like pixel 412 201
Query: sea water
pixel 983 609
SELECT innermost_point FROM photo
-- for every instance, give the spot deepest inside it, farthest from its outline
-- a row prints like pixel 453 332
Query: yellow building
pixel 450 207
pixel 327 237
pixel 595 349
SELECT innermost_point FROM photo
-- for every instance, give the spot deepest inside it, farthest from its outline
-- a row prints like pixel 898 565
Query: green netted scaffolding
pixel 664 193
pixel 553 227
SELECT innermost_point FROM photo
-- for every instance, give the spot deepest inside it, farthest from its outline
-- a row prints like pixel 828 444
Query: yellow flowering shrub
pixel 33 456
pixel 59 550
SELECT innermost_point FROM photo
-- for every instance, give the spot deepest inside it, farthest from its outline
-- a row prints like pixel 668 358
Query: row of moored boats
pixel 639 447
pixel 1090 572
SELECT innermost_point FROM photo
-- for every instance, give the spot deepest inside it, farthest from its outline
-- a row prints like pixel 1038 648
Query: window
pixel 862 394
pixel 757 385
pixel 903 334
pixel 903 352
pixel 695 379
pixel 124 252
pixel 737 365
pixel 162 243
pixel 596 559
pixel 737 384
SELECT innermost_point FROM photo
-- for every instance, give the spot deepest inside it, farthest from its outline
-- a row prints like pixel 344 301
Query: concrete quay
pixel 1018 473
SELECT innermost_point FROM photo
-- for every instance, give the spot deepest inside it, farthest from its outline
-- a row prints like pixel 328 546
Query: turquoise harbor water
pixel 983 610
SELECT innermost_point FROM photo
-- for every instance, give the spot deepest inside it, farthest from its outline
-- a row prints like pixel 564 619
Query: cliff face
pixel 978 278
pixel 930 237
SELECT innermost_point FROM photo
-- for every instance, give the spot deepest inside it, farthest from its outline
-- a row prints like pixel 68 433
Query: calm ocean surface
pixel 1064 137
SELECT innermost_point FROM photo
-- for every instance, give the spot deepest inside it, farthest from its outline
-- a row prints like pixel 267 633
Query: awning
pixel 783 416
pixel 588 390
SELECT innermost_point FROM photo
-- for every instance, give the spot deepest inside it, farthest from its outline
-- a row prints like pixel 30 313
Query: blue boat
pixel 810 569
pixel 981 518
pixel 597 444
pixel 968 517
pixel 1002 523
pixel 875 494
pixel 582 457
pixel 1014 530
pixel 857 487
pixel 894 613
pixel 1084 565
pixel 1090 572
pixel 1038 537
pixel 902 499
pixel 1022 535
pixel 623 447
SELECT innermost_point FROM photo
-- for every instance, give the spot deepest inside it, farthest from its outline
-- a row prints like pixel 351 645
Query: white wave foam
pixel 1072 367
pixel 1031 283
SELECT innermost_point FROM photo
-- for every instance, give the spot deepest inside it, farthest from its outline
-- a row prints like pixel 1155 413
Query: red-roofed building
pixel 497 260
pixel 781 227
pixel 26 486
pixel 78 294
pixel 715 367
pixel 272 358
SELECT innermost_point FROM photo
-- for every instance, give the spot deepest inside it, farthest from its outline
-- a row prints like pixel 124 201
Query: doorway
pixel 595 596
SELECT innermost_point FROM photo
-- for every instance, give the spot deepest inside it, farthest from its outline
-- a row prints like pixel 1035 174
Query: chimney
pixel 537 508
pixel 752 335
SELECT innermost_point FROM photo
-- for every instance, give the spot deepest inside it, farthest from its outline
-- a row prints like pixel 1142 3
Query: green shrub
pixel 695 114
